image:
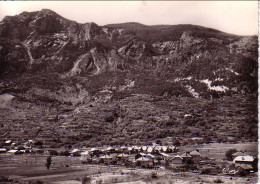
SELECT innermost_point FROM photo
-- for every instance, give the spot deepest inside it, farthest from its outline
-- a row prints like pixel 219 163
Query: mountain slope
pixel 51 62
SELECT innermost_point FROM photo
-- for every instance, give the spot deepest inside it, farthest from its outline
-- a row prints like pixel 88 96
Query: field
pixel 66 170
pixel 218 150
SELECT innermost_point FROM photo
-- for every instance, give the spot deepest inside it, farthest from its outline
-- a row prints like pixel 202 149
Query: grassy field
pixel 218 150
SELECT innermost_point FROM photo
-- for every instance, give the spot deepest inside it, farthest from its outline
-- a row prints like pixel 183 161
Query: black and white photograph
pixel 129 92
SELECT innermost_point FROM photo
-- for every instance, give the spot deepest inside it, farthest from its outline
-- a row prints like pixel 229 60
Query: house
pixel 186 156
pixel 246 162
pixel 165 156
pixel 195 154
pixel 8 142
pixel 171 149
pixel 29 143
pixel 176 161
pixel 84 156
pixel 110 150
pixel 2 150
pixel 106 159
pixel 122 158
pixel 188 116
pixel 244 159
pixel 144 162
pixel 12 151
pixel 123 149
pixel 75 152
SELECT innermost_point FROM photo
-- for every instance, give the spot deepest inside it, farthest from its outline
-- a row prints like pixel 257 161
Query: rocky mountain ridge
pixel 124 73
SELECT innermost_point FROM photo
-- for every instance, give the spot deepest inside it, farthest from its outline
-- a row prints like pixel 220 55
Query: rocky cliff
pixel 44 42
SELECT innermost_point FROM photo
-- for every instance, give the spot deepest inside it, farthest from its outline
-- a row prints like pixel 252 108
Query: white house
pixel 245 162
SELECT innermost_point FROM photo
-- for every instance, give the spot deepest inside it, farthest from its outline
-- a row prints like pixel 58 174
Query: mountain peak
pixel 47 11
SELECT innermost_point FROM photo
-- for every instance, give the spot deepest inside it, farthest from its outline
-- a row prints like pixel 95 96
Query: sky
pixel 236 17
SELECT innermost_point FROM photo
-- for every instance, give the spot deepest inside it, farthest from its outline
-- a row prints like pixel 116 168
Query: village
pixel 155 157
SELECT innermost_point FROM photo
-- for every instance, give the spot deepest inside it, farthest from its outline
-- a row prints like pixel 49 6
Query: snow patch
pixel 192 91
pixel 215 88
pixel 181 79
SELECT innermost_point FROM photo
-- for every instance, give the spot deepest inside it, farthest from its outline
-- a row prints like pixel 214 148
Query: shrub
pixel 5 179
pixel 242 172
pixel 154 175
pixel 229 154
pixel 218 181
pixel 109 119
pixel 39 182
pixel 212 171
pixel 65 153
pixel 38 143
pixel 86 180
pixel 53 152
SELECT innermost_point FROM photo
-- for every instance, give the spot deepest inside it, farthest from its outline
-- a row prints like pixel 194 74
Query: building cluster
pixel 12 147
pixel 139 156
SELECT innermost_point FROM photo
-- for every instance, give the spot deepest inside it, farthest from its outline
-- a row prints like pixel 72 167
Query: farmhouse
pixel 247 162
pixel 165 156
pixel 106 159
pixel 244 159
pixel 176 161
pixel 144 162
pixel 85 155
pixel 195 154
pixel 186 156
pixel 75 152
pixel 123 156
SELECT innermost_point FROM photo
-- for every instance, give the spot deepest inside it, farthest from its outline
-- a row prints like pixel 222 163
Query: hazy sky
pixel 237 17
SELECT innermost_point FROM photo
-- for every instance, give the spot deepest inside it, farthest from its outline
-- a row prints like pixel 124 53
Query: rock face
pixel 44 43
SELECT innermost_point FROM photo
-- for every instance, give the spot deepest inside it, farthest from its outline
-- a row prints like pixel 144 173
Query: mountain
pixel 51 64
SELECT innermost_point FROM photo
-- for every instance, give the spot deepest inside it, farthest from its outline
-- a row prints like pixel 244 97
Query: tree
pixel 176 142
pixel 158 141
pixel 86 180
pixel 38 143
pixel 48 162
pixel 229 154
pixel 65 153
